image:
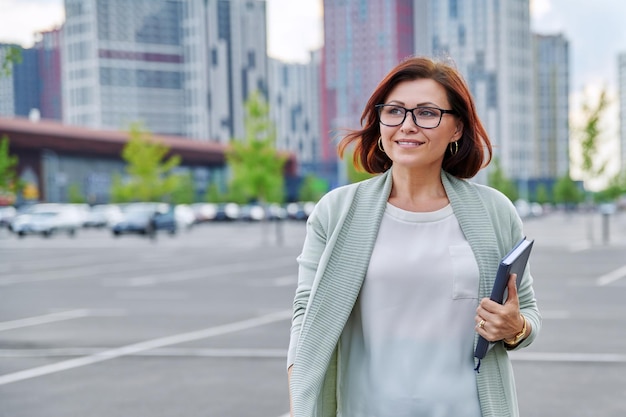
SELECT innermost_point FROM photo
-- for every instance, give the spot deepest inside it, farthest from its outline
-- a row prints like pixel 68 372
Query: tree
pixel 12 56
pixel 75 194
pixel 312 188
pixel 542 195
pixel 9 181
pixel 566 191
pixel 354 173
pixel 149 176
pixel 185 192
pixel 256 166
pixel 215 195
pixel 590 137
pixel 615 188
pixel 498 180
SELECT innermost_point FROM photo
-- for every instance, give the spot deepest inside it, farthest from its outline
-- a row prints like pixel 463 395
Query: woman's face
pixel 409 145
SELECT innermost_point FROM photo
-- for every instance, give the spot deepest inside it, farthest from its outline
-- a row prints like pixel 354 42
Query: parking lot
pixel 197 324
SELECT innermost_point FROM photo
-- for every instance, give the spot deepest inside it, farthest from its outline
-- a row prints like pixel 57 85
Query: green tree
pixel 354 173
pixel 257 168
pixel 566 191
pixel 498 180
pixel 214 194
pixel 615 188
pixel 590 137
pixel 312 188
pixel 75 195
pixel 149 175
pixel 10 184
pixel 12 56
pixel 185 192
pixel 542 195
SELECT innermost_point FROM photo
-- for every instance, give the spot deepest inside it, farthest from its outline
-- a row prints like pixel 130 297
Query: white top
pixel 407 349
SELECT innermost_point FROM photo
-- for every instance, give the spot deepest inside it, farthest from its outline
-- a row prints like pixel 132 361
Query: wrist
pixel 521 335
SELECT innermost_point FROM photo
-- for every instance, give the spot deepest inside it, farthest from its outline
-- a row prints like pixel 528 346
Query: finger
pixel 511 289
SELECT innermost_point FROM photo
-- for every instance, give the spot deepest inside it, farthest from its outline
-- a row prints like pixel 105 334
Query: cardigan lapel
pixel 477 226
pixel 341 280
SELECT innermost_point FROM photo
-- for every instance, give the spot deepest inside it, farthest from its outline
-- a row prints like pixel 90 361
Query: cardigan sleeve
pixel 308 262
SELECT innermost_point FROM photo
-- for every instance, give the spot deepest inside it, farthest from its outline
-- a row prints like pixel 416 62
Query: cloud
pixel 22 19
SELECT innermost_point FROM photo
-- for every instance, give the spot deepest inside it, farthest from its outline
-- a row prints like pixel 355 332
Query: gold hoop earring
pixel 453 151
pixel 380 144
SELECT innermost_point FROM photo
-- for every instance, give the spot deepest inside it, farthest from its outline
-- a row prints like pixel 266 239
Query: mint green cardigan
pixel 340 237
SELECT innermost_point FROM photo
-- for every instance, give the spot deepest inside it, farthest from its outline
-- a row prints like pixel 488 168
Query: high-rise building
pixel 237 62
pixel 20 85
pixel 491 44
pixel 621 71
pixel 7 90
pixel 295 109
pixel 551 111
pixel 362 42
pixel 123 63
pixel 179 67
pixel 27 83
pixel 32 85
pixel 48 49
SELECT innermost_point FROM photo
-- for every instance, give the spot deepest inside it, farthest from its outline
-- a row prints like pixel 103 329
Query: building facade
pixel 237 63
pixel 48 49
pixel 295 110
pixel 490 42
pixel 621 74
pixel 7 90
pixel 362 42
pixel 32 86
pixel 551 145
pixel 178 67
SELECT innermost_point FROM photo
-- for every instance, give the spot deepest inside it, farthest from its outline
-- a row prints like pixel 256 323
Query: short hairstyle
pixel 470 157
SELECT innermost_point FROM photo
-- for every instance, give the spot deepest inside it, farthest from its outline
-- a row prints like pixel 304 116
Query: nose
pixel 409 124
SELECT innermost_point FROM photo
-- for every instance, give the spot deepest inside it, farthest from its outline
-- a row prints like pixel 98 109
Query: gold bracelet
pixel 518 337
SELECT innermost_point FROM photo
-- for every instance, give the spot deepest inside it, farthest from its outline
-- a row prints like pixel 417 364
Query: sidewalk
pixel 577 230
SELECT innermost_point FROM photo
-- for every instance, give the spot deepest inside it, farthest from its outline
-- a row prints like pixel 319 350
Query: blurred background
pixel 148 143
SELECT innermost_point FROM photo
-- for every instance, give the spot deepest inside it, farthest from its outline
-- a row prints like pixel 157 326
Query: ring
pixel 481 324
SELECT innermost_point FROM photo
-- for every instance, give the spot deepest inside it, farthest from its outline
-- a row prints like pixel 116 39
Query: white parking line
pixel 612 277
pixel 46 318
pixel 143 346
pixel 568 357
pixel 163 352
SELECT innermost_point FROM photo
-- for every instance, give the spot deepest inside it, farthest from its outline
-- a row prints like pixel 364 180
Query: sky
pixel 596 31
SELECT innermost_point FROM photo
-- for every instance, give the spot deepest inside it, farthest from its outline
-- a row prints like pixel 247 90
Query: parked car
pixel 300 210
pixel 7 213
pixel 146 219
pixel 204 212
pixel 227 212
pixel 184 215
pixel 46 220
pixel 103 215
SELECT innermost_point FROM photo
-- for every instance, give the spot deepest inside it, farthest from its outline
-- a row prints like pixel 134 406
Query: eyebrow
pixel 425 104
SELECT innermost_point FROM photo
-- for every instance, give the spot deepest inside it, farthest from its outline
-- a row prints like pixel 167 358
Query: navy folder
pixel 513 262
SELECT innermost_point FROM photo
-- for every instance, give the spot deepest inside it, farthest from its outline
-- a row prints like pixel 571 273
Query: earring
pixel 380 144
pixel 454 150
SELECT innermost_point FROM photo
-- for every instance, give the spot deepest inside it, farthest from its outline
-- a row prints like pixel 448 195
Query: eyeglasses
pixel 424 117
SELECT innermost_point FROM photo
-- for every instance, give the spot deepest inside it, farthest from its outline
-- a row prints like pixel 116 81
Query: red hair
pixel 473 144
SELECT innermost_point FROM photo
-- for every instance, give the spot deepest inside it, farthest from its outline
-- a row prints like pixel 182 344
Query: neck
pixel 417 190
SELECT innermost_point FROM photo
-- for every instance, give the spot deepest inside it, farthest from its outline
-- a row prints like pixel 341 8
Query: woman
pixel 395 270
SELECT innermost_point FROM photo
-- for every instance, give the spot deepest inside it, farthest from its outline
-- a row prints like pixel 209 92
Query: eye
pixel 426 112
pixel 395 110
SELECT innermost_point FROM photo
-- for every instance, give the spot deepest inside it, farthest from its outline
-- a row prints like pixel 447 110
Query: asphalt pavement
pixel 198 324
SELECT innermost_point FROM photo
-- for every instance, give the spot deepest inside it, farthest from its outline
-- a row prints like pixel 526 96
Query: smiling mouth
pixel 404 142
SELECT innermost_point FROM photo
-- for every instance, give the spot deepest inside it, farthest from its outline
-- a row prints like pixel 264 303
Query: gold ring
pixel 481 324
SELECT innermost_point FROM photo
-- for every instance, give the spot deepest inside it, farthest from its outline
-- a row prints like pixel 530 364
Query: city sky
pixel 595 30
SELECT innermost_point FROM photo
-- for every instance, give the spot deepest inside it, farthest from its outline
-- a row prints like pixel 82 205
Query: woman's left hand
pixel 496 321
